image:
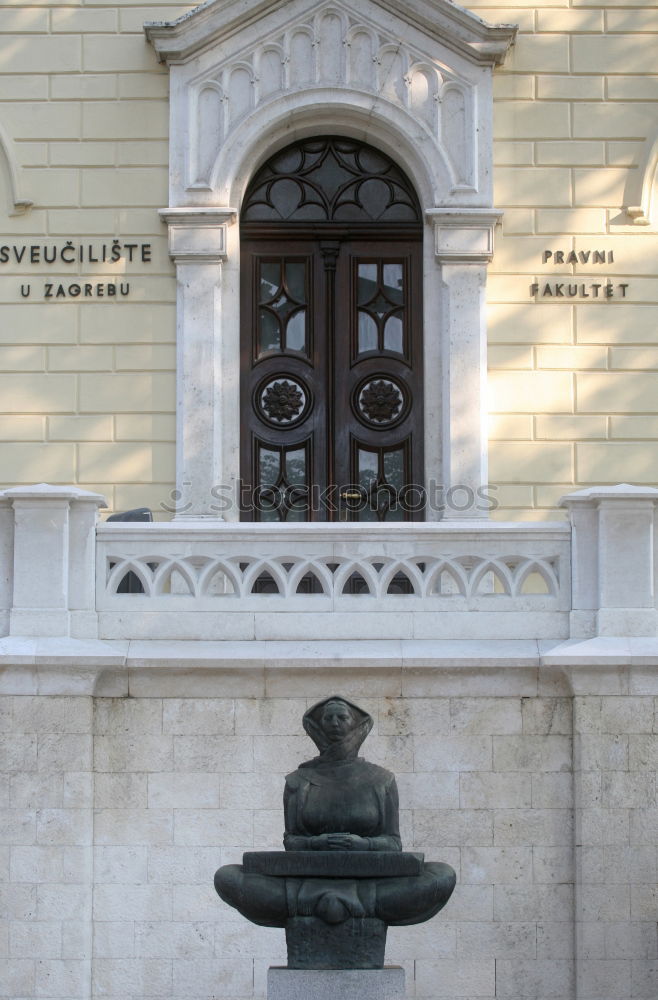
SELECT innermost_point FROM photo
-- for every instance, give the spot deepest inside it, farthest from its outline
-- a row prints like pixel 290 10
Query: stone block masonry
pixel 107 868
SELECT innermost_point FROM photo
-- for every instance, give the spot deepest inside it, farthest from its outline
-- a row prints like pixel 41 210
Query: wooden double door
pixel 331 370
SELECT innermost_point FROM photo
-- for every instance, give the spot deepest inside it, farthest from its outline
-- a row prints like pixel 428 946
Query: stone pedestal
pixel 336 984
pixel 352 944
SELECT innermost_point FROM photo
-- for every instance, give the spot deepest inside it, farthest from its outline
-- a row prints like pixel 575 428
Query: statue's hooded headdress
pixel 348 747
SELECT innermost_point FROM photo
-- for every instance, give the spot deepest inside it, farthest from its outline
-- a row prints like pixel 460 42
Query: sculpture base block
pixel 336 984
pixel 333 864
pixel 356 943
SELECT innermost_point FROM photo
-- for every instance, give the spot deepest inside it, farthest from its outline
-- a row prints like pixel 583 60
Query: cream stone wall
pixel 88 386
pixel 573 382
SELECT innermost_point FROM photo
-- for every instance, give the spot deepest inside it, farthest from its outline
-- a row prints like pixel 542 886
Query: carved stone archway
pixel 416 86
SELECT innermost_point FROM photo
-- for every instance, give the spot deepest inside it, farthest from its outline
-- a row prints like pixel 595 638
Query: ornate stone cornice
pixel 458 28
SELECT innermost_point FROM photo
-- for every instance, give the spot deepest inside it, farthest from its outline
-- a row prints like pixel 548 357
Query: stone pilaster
pixel 464 241
pixel 198 247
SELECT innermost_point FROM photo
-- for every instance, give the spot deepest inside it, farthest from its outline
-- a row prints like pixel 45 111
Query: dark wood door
pixel 331 365
pixel 377 387
pixel 284 387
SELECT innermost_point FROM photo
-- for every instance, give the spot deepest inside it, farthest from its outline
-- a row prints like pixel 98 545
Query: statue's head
pixel 337 726
pixel 336 720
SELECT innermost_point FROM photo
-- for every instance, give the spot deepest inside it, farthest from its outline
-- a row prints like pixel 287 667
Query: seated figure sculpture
pixel 344 877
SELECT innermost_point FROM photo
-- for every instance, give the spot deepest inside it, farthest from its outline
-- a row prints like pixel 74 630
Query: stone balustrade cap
pixel 593 495
pixel 46 491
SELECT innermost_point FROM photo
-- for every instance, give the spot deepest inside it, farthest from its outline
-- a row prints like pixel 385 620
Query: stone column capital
pixel 198 235
pixel 464 234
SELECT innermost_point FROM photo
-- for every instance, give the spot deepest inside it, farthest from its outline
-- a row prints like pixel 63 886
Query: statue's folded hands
pixel 339 842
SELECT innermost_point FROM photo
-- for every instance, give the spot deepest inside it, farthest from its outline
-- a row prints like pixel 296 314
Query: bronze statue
pixel 344 877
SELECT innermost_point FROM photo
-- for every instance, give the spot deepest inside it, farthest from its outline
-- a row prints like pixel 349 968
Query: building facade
pixel 359 300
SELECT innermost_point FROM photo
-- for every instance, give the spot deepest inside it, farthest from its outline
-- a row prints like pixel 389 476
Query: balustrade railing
pixel 65 574
pixel 167 569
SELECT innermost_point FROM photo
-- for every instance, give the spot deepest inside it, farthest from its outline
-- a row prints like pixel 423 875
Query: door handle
pixel 351 496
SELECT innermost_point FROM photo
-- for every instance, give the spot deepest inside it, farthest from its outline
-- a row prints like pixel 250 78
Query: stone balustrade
pixel 66 575
pixel 334 581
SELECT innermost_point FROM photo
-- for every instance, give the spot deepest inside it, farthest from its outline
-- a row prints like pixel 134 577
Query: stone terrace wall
pixel 616 755
pixel 179 786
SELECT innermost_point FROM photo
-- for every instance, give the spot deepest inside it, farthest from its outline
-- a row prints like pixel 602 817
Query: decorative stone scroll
pixel 644 186
pixel 17 203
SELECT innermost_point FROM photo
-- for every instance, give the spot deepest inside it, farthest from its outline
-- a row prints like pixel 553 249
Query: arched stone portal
pixel 242 90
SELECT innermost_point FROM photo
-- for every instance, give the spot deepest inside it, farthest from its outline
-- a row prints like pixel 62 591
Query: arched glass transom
pixel 331 179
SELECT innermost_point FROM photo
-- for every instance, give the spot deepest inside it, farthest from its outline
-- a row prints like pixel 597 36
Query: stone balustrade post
pixel 463 246
pixel 613 560
pixel 54 558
